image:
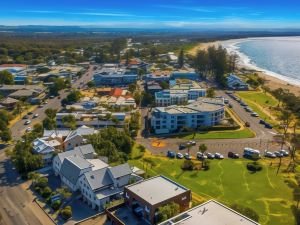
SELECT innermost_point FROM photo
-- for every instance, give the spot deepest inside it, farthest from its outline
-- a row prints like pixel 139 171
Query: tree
pixel 91 84
pixel 164 85
pixel 132 87
pixel 202 149
pixel 34 176
pixel 6 77
pixel 181 59
pixel 73 96
pixel 187 165
pixel 5 135
pixel 167 211
pixel 49 122
pixel 66 212
pixel 246 211
pixel 69 121
pixel 210 93
pixel 64 192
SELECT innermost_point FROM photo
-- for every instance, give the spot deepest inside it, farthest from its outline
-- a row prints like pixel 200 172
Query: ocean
pixel 276 56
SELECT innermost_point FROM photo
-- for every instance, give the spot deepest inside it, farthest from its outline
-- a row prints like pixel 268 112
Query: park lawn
pixel 229 182
pixel 228 134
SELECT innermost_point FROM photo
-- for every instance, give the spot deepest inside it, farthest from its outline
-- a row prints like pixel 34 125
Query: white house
pixel 45 148
pixel 84 151
pixel 236 83
pixel 203 112
pixel 101 186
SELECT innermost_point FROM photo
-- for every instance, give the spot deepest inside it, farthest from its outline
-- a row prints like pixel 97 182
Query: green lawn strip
pixel 245 133
pixel 253 98
pixel 229 182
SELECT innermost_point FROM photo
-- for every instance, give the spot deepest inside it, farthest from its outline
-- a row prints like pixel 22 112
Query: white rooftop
pixel 210 213
pixel 157 189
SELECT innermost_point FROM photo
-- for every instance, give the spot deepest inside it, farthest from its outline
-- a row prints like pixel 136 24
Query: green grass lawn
pixel 262 99
pixel 230 134
pixel 229 182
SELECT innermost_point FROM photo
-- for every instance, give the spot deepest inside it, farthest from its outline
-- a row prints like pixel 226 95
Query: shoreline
pixel 273 80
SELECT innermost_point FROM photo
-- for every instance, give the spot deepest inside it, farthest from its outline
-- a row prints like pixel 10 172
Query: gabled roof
pixel 56 133
pixel 120 170
pixel 85 149
pixel 72 167
pixel 9 100
pixel 66 154
pixel 98 178
pixel 41 146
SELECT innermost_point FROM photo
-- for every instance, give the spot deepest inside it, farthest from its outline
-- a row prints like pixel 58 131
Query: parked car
pixel 230 105
pixel 210 156
pixel 41 106
pixel 51 96
pixel 27 122
pixel 219 156
pixel 187 156
pixel 233 155
pixel 270 154
pixel 284 152
pixel 243 104
pixel 35 115
pixel 269 126
pixel 248 109
pixel 201 156
pixel 251 153
pixel 262 122
pixel 226 101
pixel 247 124
pixel 171 154
pixel 25 117
pixel 254 114
pixel 28 129
pixel 192 143
pixel 182 146
pixel 278 154
pixel 179 156
pixel 29 113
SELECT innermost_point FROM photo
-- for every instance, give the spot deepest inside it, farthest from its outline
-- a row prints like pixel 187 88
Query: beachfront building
pixel 113 75
pixel 236 83
pixel 203 112
pixel 190 74
pixel 158 76
pixel 180 92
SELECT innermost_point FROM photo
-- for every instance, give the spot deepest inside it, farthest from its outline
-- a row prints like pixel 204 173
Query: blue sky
pixel 204 14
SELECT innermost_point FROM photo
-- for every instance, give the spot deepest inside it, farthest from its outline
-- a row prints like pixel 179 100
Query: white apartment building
pixel 203 112
pixel 180 92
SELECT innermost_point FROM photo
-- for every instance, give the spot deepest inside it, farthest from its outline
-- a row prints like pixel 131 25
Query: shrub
pixel 187 165
pixel 46 192
pixel 254 167
pixel 246 211
pixel 42 182
pixel 66 212
pixel 56 204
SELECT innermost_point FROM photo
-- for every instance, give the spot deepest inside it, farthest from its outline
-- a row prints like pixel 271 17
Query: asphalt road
pixel 16 204
pixel 19 128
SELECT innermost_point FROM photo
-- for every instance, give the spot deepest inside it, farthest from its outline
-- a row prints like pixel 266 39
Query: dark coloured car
pixel 25 117
pixel 233 155
pixel 182 146
pixel 171 154
pixel 262 122
pixel 247 124
pixel 269 126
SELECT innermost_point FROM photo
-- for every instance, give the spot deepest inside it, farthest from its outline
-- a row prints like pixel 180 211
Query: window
pixel 184 198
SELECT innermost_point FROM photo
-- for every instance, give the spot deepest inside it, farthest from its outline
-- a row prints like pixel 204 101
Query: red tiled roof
pixel 116 92
pixel 13 65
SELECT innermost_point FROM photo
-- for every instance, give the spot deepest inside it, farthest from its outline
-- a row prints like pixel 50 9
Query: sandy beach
pixel 271 81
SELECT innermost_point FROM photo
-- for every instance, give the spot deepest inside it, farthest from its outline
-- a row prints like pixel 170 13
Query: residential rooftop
pixel 156 189
pixel 210 213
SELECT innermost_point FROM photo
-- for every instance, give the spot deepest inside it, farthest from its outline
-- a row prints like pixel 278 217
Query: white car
pixel 35 115
pixel 179 156
pixel 219 156
pixel 270 154
pixel 284 152
pixel 28 129
pixel 27 122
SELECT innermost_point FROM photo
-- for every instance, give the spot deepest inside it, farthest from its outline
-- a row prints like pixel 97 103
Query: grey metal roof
pixel 120 170
pixel 98 178
pixel 85 149
pixel 66 154
pixel 72 167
